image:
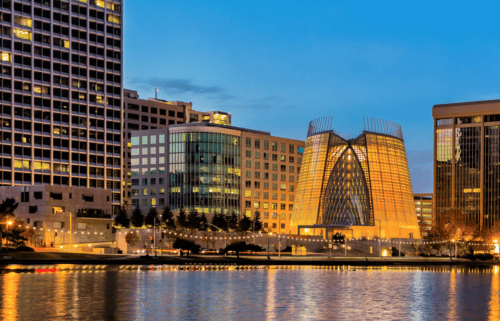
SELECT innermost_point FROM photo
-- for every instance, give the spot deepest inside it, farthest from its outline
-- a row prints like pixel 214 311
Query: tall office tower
pixel 361 184
pixel 61 93
pixel 467 161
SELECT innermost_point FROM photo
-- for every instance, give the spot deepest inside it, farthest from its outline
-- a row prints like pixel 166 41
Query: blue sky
pixel 276 65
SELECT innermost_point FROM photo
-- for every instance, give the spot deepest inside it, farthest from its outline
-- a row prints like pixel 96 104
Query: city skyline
pixel 257 58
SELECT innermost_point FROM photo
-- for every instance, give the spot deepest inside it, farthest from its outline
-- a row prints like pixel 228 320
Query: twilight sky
pixel 276 65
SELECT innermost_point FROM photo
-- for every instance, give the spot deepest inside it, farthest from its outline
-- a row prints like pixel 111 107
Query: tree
pixel 168 218
pixel 7 209
pixel 338 238
pixel 193 220
pixel 415 246
pixel 181 218
pixel 242 247
pixel 258 222
pixel 137 217
pixel 150 217
pixel 121 218
pixel 186 245
pixel 232 222
pixel 244 224
pixel 15 234
pixel 132 239
pixel 219 220
pixel 203 222
pixel 452 226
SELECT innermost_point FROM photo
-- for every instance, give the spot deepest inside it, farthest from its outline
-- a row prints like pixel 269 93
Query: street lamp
pixel 154 232
pixel 268 234
pixel 225 235
pixel 8 224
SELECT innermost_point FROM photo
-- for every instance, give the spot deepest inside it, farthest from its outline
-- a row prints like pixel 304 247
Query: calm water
pixel 305 294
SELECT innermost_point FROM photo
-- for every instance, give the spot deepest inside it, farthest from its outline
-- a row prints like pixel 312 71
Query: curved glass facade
pixel 363 183
pixel 205 171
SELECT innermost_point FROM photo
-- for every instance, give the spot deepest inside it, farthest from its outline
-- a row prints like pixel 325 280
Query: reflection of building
pixel 61 94
pixel 216 168
pixel 361 184
pixel 467 161
pixel 423 207
pixel 47 208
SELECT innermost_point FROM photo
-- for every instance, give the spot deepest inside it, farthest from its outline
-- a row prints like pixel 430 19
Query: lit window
pixel 99 3
pixel 144 161
pixel 153 150
pixel 161 160
pixel 6 56
pixel 135 161
pixel 22 21
pixel 135 140
pixel 162 170
pixel 66 43
pixel 99 99
pixel 256 204
pixel 161 139
pixel 144 151
pixel 145 191
pixel 161 150
pixel 153 160
pixel 113 18
pixel 23 34
pixel 135 151
pixel 248 193
pixel 153 139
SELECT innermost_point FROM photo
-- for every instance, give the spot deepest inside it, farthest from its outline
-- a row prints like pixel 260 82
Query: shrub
pixel 24 248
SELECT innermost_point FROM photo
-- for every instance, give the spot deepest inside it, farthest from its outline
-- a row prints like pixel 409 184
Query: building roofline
pixel 221 126
pixel 467 103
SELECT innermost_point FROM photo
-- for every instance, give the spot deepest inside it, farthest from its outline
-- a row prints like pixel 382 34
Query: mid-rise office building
pixel 423 207
pixel 217 168
pixel 467 161
pixel 361 185
pixel 154 113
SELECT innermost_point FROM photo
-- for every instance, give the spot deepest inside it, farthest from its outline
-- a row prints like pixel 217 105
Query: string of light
pixel 183 234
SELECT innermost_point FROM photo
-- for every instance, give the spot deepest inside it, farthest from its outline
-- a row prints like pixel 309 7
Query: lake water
pixel 298 294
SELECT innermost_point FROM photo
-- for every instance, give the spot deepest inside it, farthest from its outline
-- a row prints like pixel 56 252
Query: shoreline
pixel 196 260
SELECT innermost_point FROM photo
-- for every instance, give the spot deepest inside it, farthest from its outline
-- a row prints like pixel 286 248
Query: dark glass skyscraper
pixel 467 161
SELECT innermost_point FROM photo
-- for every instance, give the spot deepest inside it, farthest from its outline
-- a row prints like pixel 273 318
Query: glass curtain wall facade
pixel 205 171
pixel 467 162
pixel 363 183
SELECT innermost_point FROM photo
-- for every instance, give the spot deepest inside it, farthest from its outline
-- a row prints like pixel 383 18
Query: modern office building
pixel 423 207
pixel 61 94
pixel 216 168
pixel 154 113
pixel 361 185
pixel 467 161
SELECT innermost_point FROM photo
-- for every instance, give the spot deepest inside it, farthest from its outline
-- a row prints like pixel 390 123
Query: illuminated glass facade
pixel 467 161
pixel 362 183
pixel 205 171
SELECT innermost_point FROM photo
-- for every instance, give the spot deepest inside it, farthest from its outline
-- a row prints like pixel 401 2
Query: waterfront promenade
pixel 37 258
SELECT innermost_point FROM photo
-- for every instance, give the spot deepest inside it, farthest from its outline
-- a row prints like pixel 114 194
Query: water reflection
pixel 424 293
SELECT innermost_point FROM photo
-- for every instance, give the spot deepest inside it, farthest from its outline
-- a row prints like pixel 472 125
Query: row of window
pixel 154 120
pixel 274 186
pixel 154 110
pixel 274 146
pixel 265 205
pixel 282 158
pixel 265 195
pixel 144 181
pixel 265 175
pixel 283 168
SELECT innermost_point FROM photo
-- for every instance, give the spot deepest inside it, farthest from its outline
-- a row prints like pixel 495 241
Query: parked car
pixel 209 251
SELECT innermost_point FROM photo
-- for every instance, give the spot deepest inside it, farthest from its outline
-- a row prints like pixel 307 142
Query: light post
pixel 154 232
pixel 9 223
pixel 268 234
pixel 225 235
